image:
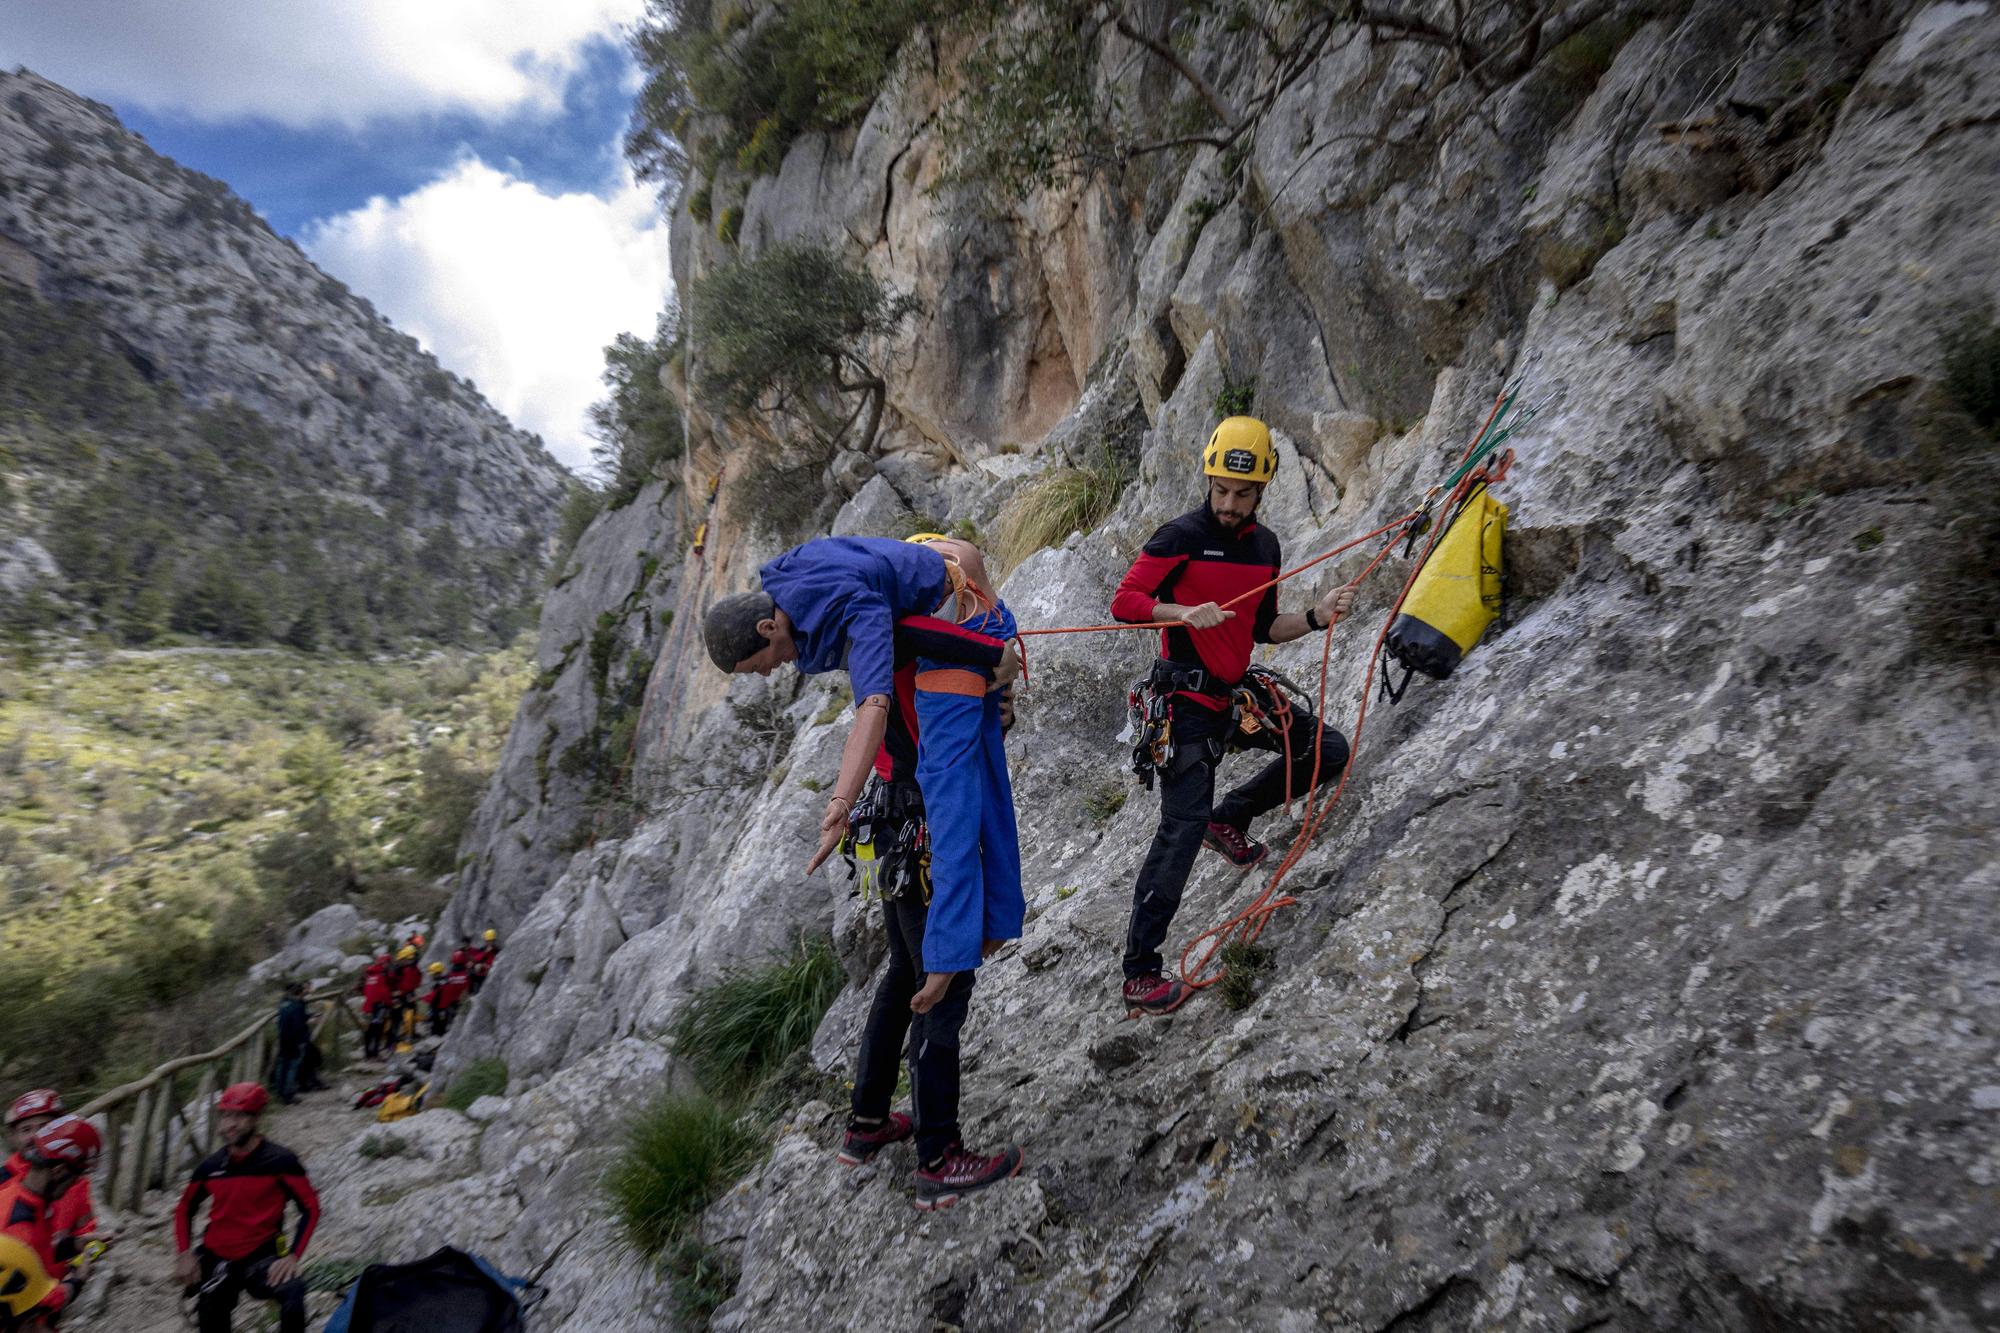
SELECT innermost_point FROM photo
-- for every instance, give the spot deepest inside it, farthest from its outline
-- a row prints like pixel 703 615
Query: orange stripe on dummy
pixel 952 680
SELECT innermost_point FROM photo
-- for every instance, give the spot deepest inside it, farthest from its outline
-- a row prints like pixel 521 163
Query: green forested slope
pixel 165 815
pixel 166 517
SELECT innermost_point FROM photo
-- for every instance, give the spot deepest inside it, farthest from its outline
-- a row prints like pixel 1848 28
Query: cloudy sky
pixel 455 161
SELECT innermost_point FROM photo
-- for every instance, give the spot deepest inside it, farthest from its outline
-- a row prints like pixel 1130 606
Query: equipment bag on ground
pixel 1456 594
pixel 450 1292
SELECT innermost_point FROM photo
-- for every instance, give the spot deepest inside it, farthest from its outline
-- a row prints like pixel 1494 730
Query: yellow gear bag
pixel 1456 594
pixel 400 1105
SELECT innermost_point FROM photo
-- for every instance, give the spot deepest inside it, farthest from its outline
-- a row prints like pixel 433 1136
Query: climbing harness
pixel 888 841
pixel 1261 701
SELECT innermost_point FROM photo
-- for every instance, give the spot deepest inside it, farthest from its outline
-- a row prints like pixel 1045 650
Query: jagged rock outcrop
pixel 1643 977
pixel 183 280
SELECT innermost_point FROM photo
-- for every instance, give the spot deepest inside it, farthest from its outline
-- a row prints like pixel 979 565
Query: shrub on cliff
pixel 1052 506
pixel 741 1028
pixel 679 1153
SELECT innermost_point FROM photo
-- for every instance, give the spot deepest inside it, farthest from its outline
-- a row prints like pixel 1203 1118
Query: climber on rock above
pixel 247 1183
pixel 1211 698
pixel 858 602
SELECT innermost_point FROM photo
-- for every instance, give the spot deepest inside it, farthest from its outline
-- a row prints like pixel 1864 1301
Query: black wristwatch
pixel 1312 619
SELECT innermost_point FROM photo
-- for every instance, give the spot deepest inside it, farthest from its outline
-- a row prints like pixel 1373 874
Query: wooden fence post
pixel 201 1126
pixel 113 1158
pixel 135 1180
pixel 163 1118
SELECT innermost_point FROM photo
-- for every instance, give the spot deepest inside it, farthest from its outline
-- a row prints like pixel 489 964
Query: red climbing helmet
pixel 69 1141
pixel 247 1097
pixel 42 1101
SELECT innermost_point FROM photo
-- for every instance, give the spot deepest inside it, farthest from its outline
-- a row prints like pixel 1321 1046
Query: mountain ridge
pixel 181 279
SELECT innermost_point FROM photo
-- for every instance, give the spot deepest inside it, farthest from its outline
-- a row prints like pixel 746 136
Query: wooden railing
pixel 148 1139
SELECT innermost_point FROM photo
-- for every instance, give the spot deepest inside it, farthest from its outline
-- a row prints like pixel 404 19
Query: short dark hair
pixel 730 627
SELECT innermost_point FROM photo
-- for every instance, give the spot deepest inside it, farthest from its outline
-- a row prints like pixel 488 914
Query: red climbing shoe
pixel 940 1184
pixel 1242 850
pixel 1153 994
pixel 861 1145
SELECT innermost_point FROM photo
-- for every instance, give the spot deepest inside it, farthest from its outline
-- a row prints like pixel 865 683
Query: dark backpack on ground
pixel 449 1292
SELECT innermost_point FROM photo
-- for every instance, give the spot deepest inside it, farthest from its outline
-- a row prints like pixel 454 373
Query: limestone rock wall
pixel 1644 977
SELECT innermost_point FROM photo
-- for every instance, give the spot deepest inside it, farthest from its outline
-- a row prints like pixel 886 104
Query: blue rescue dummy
pixel 858 603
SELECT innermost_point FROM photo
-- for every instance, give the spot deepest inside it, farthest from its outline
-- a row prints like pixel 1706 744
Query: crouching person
pixel 247 1185
pixel 924 645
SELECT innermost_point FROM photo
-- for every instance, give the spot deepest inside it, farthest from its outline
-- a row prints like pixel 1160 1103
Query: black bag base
pixel 1421 648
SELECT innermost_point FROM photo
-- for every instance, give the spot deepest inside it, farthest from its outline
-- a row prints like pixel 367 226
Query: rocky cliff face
pixel 1643 977
pixel 192 289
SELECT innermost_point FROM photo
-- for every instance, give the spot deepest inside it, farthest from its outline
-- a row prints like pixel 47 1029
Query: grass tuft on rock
pixel 481 1078
pixel 679 1154
pixel 735 1032
pixel 1245 964
pixel 1048 509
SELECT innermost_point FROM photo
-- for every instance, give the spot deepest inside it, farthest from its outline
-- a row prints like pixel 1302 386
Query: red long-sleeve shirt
pixel 1193 560
pixel 247 1194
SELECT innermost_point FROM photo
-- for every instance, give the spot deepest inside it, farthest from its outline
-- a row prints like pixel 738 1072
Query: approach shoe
pixel 862 1143
pixel 958 1172
pixel 1153 994
pixel 1242 850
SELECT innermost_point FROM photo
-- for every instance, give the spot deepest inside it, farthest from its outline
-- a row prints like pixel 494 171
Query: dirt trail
pixel 136 1291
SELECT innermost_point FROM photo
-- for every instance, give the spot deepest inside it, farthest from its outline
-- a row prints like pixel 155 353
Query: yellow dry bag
pixel 1456 595
pixel 401 1105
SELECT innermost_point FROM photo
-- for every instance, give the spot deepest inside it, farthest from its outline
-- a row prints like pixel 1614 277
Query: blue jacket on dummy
pixel 844 596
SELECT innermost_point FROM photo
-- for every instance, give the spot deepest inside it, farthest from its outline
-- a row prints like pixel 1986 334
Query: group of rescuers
pixel 923 781
pixel 394 997
pixel 48 1228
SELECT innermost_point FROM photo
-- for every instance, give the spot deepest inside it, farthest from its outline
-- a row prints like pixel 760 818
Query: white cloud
pixel 518 289
pixel 312 62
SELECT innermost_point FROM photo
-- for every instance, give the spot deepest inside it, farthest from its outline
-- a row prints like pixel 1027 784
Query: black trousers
pixel 1188 805
pixel 933 1037
pixel 378 1028
pixel 220 1290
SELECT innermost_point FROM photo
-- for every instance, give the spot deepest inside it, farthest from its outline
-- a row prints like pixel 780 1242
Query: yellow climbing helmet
pixel 405 954
pixel 437 969
pixel 1240 450
pixel 921 537
pixel 492 935
pixel 23 1280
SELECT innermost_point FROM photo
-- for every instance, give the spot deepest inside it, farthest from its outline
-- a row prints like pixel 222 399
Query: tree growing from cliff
pixel 638 425
pixel 720 84
pixel 794 335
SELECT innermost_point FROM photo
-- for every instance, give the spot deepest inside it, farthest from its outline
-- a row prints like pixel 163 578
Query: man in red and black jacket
pixel 1190 568
pixel 247 1185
